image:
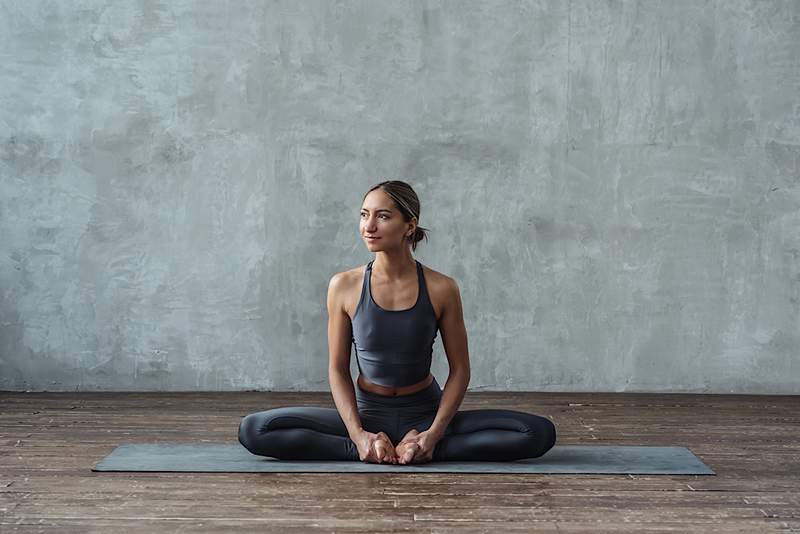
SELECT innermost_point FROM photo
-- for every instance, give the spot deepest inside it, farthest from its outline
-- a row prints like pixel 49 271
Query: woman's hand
pixel 375 448
pixel 426 443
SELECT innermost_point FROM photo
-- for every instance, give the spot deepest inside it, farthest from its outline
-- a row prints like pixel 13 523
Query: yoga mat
pixel 224 457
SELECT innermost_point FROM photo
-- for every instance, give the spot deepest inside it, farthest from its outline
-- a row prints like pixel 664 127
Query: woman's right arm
pixel 339 346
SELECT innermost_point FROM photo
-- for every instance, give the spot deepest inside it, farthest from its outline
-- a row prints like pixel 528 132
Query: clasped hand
pixel 415 447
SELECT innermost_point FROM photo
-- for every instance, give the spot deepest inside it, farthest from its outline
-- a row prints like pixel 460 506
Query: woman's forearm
pixel 454 390
pixel 344 397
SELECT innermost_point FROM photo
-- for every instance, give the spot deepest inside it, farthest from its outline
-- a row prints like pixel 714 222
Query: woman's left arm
pixel 454 339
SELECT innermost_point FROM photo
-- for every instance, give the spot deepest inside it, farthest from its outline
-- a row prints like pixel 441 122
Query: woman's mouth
pixel 372 238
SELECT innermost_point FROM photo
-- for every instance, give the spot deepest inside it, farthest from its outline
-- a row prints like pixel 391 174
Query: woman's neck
pixel 395 267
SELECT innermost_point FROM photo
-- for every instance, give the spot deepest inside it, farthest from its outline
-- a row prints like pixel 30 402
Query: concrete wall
pixel 614 186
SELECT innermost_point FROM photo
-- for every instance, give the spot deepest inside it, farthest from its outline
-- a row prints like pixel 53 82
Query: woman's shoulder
pixel 344 289
pixel 432 275
pixel 438 283
pixel 345 279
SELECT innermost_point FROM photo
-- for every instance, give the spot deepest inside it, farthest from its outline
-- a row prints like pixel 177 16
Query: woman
pixel 391 310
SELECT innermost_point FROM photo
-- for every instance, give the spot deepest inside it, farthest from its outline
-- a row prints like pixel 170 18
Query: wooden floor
pixel 50 441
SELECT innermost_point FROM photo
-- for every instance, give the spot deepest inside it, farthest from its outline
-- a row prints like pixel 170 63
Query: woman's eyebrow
pixel 379 209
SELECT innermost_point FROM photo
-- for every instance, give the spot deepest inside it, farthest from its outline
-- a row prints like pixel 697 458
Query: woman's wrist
pixel 437 431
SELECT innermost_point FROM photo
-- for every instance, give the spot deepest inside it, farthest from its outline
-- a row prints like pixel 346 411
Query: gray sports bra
pixel 394 347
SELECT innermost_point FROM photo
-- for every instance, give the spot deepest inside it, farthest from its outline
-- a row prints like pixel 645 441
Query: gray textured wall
pixel 614 185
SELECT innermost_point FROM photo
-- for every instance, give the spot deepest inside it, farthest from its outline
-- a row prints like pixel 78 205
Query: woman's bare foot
pixel 384 450
pixel 406 450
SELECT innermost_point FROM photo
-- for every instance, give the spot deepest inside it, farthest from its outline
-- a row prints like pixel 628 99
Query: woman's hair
pixel 407 202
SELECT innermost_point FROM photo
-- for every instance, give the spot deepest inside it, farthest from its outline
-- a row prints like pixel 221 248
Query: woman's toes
pixel 380 449
pixel 384 450
pixel 406 452
pixel 409 455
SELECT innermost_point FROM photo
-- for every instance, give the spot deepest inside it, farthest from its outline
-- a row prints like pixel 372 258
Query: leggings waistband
pixel 427 395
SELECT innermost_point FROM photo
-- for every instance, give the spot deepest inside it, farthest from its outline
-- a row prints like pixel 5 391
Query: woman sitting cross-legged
pixel 391 310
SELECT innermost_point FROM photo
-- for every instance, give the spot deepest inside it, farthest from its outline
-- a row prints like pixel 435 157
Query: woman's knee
pixel 254 425
pixel 543 435
pixel 249 427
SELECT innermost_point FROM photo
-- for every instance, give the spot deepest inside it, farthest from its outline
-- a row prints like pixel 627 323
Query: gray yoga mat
pixel 224 457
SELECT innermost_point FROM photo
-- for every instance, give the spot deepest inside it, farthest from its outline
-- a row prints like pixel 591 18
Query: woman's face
pixel 381 218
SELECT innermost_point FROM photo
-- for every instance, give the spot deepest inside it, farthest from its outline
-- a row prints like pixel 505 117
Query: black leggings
pixel 317 433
